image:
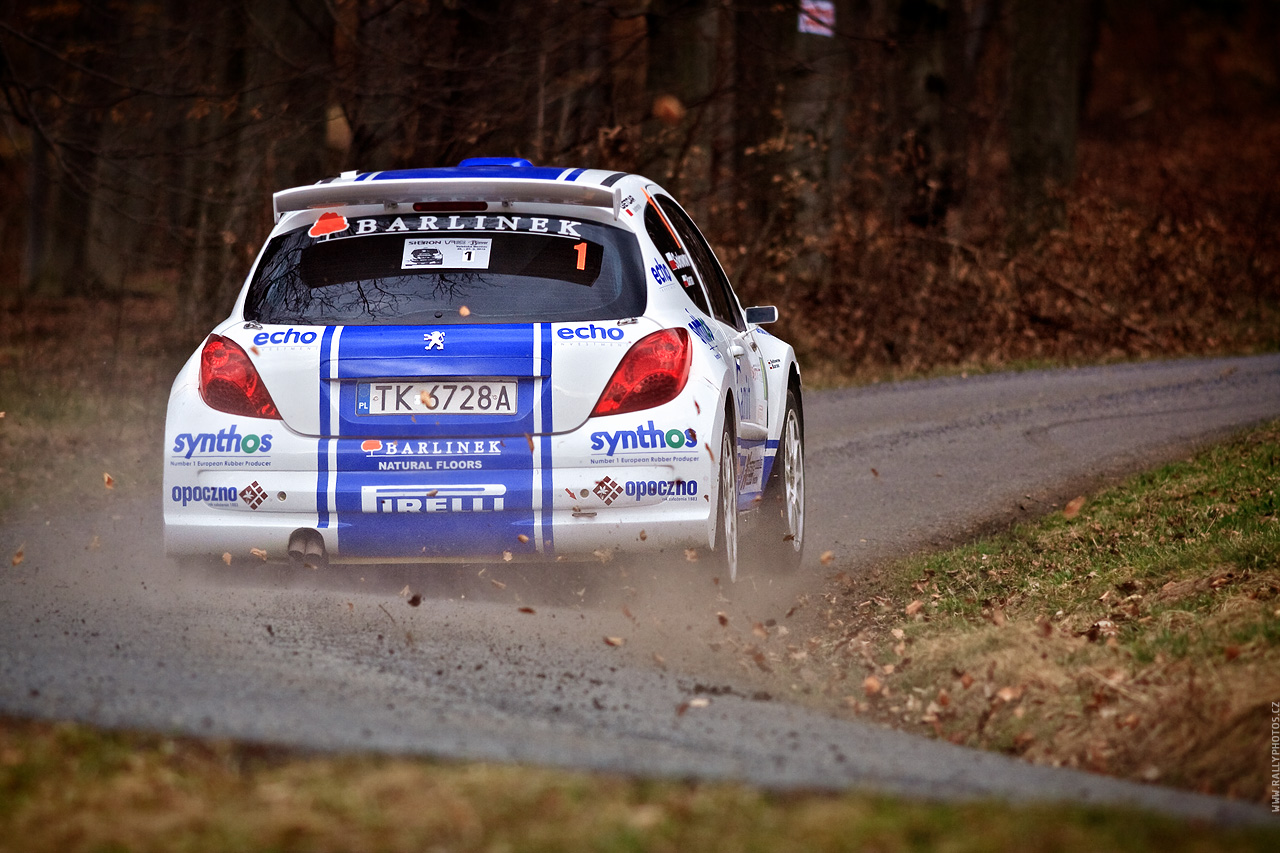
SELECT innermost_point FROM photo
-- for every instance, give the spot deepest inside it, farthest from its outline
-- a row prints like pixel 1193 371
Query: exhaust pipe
pixel 306 548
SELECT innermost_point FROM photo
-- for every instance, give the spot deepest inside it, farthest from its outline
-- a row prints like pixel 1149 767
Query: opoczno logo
pixel 607 490
pixel 220 443
pixel 204 494
pixel 643 438
pixel 640 489
pixel 487 497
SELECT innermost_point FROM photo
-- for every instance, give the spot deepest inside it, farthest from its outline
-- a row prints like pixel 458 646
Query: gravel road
pixel 511 663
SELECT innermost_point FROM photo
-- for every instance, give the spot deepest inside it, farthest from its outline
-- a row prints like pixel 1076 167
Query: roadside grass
pixel 67 787
pixel 1136 633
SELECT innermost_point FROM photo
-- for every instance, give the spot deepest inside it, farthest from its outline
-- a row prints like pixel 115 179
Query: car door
pixel 748 373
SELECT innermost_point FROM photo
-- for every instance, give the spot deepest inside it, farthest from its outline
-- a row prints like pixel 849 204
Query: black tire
pixel 778 539
pixel 725 550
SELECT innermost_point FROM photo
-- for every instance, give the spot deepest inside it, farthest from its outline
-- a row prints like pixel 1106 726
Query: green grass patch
pixel 1136 632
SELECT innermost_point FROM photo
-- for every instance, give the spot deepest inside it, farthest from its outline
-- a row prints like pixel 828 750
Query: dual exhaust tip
pixel 306 549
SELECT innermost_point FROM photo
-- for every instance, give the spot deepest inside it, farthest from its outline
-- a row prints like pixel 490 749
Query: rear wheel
pixel 779 538
pixel 726 544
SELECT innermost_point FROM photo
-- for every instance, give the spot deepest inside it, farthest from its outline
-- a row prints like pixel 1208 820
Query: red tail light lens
pixel 653 372
pixel 230 383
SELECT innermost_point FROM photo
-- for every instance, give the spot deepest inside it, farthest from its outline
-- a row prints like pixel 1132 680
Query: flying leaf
pixel 108 480
pixel 19 555
pixel 699 702
pixel 914 607
pixel 497 583
pixel 506 558
pixel 529 439
pixel 522 539
pixel 404 593
pixel 527 610
pixel 691 554
pixel 643 536
pixel 259 553
pixel 226 557
pixel 614 641
pixel 415 600
pixel 871 685
pixel 427 399
pixel 827 557
pixel 464 311
pixel 722 618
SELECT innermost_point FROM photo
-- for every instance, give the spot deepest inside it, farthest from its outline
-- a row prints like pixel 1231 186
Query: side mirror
pixel 762 314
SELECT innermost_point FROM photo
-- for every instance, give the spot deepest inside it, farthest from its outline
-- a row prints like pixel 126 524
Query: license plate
pixel 438 397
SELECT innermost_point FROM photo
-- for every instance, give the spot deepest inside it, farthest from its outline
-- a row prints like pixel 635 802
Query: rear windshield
pixel 409 270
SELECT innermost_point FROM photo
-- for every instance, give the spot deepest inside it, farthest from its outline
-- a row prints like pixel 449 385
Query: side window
pixel 724 307
pixel 674 256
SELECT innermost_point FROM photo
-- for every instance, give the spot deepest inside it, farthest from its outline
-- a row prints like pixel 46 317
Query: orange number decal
pixel 581 249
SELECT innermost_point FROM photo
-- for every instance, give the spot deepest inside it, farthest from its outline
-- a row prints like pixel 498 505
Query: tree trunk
pixel 1044 104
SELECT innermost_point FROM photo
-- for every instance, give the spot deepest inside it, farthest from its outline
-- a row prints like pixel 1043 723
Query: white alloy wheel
pixel 792 446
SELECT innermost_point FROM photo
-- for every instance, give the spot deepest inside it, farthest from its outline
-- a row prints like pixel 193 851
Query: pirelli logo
pixel 478 498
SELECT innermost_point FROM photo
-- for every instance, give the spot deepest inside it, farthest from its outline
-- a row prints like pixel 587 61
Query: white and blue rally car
pixel 490 362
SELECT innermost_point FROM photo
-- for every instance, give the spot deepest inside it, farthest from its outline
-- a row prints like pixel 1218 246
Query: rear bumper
pixel 642 483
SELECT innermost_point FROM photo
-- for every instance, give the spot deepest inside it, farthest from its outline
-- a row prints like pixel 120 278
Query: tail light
pixel 230 383
pixel 653 372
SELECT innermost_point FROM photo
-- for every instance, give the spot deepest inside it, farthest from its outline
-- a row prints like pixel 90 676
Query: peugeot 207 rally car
pixel 490 362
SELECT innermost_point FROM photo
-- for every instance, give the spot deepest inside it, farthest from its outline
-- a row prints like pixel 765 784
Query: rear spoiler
pixel 505 191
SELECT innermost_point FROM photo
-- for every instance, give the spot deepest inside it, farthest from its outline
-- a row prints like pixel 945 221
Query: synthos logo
pixel 643 438
pixel 479 498
pixel 221 443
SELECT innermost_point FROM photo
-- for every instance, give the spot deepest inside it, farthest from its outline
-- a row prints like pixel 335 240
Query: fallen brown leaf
pixel 871 685
pixel 1073 507
pixel 722 618
pixel 527 610
pixel 914 607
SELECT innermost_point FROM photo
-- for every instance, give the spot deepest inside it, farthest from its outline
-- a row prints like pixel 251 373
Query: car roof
pixel 499 180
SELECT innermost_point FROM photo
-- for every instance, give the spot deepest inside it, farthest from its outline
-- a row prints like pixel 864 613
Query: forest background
pixel 915 183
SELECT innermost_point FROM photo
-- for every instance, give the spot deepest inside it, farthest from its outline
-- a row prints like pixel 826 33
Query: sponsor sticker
pixel 452 252
pixel 643 438
pixel 221 444
pixel 427 498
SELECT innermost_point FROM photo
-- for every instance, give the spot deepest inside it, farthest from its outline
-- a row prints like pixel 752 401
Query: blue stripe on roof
pixel 541 173
pixel 573 176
